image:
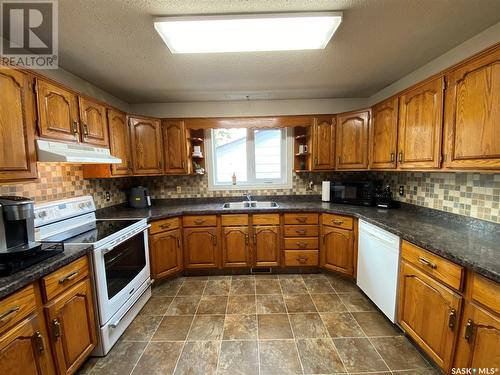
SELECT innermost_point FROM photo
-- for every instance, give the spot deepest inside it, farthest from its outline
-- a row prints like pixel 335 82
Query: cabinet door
pixel 71 320
pixel 146 145
pixel 24 349
pixel 472 114
pixel 323 143
pixel 166 253
pixel 383 135
pixel 93 122
pixel 420 126
pixel 235 247
pixel 174 143
pixel 337 250
pixel 266 246
pixel 479 339
pixel 428 312
pixel 201 248
pixel 57 112
pixel 119 142
pixel 17 147
pixel 352 140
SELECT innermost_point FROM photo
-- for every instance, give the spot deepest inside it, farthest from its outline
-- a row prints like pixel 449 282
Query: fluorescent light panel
pixel 247 33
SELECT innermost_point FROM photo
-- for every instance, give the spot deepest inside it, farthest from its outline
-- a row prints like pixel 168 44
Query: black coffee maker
pixel 384 199
pixel 17 226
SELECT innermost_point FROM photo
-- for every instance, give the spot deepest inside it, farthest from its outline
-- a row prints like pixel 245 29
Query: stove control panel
pixel 49 212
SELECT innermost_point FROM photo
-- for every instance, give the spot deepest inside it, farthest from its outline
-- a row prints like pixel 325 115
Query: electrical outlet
pixel 401 190
pixel 107 195
pixel 179 189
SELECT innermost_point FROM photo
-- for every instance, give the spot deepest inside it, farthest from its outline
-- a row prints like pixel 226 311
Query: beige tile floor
pixel 272 324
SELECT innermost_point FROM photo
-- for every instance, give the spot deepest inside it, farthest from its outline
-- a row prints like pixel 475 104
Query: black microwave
pixel 353 192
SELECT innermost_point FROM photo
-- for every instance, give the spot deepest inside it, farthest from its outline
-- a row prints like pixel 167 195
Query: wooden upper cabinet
pixel 420 126
pixel 352 140
pixel 119 142
pixel 146 145
pixel 337 247
pixel 323 143
pixel 93 122
pixel 429 313
pixel 57 112
pixel 17 147
pixel 472 114
pixel 384 134
pixel 266 246
pixel 175 148
pixel 24 349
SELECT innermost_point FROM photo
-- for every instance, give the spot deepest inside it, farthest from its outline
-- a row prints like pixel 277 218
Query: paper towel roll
pixel 325 191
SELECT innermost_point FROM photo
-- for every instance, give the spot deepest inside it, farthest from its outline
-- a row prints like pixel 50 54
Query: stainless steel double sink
pixel 250 204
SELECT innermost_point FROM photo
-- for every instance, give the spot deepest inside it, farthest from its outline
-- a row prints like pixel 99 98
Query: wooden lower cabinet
pixel 24 349
pixel 236 247
pixel 266 246
pixel 429 313
pixel 201 248
pixel 337 250
pixel 165 252
pixel 70 317
pixel 479 338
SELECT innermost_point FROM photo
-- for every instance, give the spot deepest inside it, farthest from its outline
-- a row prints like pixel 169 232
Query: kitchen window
pixel 259 158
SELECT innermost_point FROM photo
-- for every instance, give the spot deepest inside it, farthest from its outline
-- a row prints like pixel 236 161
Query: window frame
pixel 286 164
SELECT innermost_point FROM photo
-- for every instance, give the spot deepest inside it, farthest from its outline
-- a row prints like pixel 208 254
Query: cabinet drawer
pixel 163 225
pixel 301 243
pixel 338 221
pixel 64 277
pixel 442 269
pixel 266 219
pixel 17 306
pixel 301 218
pixel 486 292
pixel 199 221
pixel 301 257
pixel 231 220
pixel 301 230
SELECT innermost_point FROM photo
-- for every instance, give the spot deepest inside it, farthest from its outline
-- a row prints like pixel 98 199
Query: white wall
pixel 477 43
pixel 248 108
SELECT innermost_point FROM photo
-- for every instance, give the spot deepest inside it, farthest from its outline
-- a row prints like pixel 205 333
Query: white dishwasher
pixel 378 266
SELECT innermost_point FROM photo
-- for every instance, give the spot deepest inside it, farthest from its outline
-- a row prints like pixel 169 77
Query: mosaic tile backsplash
pixel 471 194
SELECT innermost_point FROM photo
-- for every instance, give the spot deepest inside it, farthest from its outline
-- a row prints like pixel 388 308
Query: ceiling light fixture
pixel 248 32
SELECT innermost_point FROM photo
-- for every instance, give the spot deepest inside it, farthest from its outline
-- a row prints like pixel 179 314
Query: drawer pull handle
pixel 166 225
pixel 301 245
pixel 56 328
pixel 301 219
pixel 69 277
pixel 39 341
pixel 85 130
pixel 427 263
pixel 452 318
pixel 337 222
pixel 7 315
pixel 302 259
pixel 469 328
pixel 301 231
pixel 74 128
pixel 246 239
pixel 392 157
pixel 199 221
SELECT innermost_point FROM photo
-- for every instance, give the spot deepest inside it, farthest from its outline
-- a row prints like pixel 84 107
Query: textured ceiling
pixel 113 44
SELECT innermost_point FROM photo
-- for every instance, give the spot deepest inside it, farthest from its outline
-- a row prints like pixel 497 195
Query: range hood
pixel 50 151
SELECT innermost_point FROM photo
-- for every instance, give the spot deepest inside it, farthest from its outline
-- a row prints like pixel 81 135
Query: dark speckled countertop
pixel 9 284
pixel 469 242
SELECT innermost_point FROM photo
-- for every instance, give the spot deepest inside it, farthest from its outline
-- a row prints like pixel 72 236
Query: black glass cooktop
pixel 92 232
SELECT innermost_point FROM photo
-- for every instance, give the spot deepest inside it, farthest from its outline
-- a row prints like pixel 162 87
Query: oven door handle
pixel 108 249
pixel 117 322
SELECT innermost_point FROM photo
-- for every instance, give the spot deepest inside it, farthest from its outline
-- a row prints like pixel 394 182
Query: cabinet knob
pixel 56 328
pixel 392 156
pixel 400 156
pixel 40 345
pixel 74 128
pixel 452 318
pixel 85 129
pixel 469 329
